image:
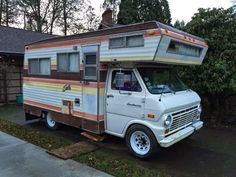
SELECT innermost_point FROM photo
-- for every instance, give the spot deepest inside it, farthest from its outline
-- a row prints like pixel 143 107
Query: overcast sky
pixel 181 9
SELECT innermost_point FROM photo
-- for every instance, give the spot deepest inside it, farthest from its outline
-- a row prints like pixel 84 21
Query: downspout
pixel 98 85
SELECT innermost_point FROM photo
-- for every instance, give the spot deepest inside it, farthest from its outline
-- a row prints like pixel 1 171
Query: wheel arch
pixel 137 122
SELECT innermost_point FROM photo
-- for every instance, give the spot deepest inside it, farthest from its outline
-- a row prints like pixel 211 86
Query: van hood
pixel 180 100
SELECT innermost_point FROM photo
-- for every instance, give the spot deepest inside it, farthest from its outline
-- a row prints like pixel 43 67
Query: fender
pixel 156 130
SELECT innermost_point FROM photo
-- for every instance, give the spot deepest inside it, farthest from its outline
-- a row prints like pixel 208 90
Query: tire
pixel 50 123
pixel 141 141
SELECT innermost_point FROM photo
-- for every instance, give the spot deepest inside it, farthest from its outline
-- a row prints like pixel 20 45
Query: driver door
pixel 123 104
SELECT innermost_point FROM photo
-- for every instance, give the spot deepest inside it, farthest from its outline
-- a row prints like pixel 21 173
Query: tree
pixel 91 20
pixel 71 10
pixel 135 11
pixel 179 24
pixel 36 12
pixel 1 11
pixel 216 78
pixel 55 13
pixel 8 12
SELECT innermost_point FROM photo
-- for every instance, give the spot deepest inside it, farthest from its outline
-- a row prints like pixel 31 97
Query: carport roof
pixel 13 40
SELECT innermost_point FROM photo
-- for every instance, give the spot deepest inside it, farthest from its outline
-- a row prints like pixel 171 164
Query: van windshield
pixel 161 80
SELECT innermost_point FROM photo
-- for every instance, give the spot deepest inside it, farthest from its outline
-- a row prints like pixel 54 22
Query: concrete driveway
pixel 21 159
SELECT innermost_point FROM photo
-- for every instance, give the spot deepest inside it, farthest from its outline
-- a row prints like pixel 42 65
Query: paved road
pixel 21 159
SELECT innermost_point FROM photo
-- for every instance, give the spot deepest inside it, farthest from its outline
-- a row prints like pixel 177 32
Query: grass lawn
pixel 117 165
pixel 44 140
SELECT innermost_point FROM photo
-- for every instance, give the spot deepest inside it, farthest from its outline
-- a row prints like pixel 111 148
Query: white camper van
pixel 118 81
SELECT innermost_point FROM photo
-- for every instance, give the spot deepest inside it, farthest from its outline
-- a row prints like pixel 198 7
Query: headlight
pixel 168 121
pixel 199 111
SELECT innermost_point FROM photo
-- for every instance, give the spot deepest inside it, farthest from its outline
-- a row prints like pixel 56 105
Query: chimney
pixel 107 20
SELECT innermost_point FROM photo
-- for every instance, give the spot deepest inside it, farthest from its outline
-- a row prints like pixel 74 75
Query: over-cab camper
pixel 118 81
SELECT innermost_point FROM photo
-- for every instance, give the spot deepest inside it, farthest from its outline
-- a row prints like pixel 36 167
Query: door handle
pixel 110 96
pixel 132 104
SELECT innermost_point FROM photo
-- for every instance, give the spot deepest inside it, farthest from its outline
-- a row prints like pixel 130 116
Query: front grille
pixel 183 118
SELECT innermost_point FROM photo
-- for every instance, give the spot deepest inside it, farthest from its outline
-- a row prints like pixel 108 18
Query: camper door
pixel 90 82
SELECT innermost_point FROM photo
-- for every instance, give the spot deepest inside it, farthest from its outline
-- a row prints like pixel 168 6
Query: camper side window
pixel 90 66
pixel 39 66
pixel 68 62
pixel 184 49
pixel 127 41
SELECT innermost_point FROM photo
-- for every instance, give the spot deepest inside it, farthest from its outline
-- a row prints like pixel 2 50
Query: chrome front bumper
pixel 176 137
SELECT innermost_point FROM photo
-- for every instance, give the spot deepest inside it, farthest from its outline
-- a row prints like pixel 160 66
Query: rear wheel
pixel 141 141
pixel 50 123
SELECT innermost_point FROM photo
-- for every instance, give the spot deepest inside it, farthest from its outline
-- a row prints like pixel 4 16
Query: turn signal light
pixel 151 116
pixel 167 131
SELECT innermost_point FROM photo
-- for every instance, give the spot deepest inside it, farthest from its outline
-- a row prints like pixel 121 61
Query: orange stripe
pixel 42 105
pixel 54 67
pixel 25 66
pixel 151 33
pixel 184 38
pixel 58 109
pixel 103 67
pixel 63 82
pixel 87 115
pixel 67 43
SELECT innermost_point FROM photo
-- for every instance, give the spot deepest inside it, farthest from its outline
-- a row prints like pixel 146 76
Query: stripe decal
pixel 63 82
pixel 42 105
pixel 67 43
pixel 144 58
pixel 58 109
pixel 182 37
pixel 177 61
pixel 151 33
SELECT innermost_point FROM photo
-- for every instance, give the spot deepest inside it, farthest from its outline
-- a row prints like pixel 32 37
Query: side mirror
pixel 120 80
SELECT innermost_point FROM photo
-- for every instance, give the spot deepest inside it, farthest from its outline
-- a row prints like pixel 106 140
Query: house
pixel 12 46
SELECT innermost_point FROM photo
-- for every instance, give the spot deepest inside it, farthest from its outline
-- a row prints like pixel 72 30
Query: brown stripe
pixel 68 43
pixel 63 82
pixel 58 109
pixel 184 38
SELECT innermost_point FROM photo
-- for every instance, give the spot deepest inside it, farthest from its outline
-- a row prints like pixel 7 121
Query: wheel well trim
pixel 137 122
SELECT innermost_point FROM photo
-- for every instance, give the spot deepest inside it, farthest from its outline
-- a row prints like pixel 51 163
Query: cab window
pixel 130 82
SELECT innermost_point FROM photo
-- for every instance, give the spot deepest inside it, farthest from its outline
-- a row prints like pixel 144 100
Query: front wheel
pixel 141 141
pixel 50 123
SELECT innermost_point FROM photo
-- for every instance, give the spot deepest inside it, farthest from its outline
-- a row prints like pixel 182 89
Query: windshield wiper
pixel 162 91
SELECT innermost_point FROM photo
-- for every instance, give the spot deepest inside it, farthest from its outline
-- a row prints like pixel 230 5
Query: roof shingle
pixel 13 40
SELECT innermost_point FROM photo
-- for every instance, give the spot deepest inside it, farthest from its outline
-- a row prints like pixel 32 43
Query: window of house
pixel 130 82
pixel 127 41
pixel 39 66
pixel 90 66
pixel 68 62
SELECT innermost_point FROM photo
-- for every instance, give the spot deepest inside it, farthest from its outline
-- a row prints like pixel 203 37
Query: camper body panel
pixel 72 101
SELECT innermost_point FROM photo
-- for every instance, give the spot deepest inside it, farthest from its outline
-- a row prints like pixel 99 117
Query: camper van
pixel 119 81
